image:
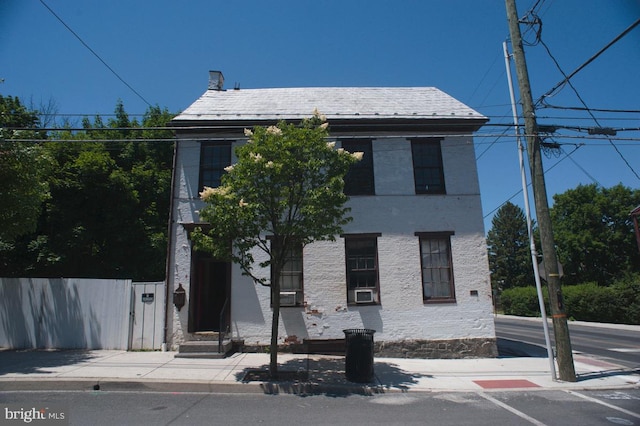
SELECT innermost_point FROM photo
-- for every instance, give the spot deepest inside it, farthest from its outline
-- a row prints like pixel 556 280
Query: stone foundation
pixel 428 349
pixel 438 349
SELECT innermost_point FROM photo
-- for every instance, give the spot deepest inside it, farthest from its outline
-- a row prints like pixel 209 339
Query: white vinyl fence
pixel 68 313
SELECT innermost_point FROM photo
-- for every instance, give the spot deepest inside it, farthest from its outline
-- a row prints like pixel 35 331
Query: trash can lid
pixel 359 331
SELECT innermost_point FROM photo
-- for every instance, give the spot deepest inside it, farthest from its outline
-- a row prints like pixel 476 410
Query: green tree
pixel 23 171
pixel 91 219
pixel 509 252
pixel 287 188
pixel 108 210
pixel 594 233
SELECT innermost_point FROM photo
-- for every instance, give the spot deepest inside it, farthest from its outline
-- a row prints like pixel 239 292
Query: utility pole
pixel 558 315
pixel 527 209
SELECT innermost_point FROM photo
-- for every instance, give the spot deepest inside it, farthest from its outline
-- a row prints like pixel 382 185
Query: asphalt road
pixel 557 407
pixel 616 345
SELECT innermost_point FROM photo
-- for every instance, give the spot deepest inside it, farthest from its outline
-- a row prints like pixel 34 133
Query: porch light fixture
pixel 179 297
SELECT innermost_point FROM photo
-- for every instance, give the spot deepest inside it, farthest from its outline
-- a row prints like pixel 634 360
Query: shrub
pixel 619 303
pixel 627 292
pixel 590 302
pixel 521 301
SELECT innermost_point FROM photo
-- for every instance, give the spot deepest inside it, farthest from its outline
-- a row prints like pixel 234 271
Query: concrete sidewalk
pixel 302 374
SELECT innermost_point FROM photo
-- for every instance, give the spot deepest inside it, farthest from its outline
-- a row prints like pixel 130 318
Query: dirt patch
pixel 283 376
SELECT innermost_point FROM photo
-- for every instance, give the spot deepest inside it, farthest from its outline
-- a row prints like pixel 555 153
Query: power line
pixel 529 184
pixel 482 81
pixel 501 138
pixel 577 118
pixel 385 115
pixel 483 132
pixel 568 81
pixel 94 53
pixel 601 51
pixel 567 78
pixel 503 134
pixel 537 21
pixel 62 114
pixel 545 104
pixel 594 180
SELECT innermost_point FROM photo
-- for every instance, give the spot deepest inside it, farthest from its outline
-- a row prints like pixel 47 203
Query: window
pixel 291 293
pixel 437 269
pixel 359 179
pixel 361 252
pixel 213 159
pixel 427 166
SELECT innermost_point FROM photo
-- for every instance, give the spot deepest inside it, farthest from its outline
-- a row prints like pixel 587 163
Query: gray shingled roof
pixel 334 102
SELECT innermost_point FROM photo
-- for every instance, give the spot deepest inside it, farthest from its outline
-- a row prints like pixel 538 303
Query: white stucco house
pixel 412 265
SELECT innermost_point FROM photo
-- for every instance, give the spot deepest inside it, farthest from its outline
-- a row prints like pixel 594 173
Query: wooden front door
pixel 210 289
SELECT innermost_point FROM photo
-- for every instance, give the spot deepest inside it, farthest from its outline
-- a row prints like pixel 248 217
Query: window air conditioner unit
pixel 364 296
pixel 288 298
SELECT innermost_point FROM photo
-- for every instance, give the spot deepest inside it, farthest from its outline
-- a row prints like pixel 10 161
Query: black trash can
pixel 359 355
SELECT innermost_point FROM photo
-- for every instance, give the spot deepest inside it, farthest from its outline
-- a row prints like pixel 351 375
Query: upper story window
pixel 359 180
pixel 427 166
pixel 437 267
pixel 214 157
pixel 361 253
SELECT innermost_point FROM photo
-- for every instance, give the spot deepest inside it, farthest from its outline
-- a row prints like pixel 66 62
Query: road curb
pixel 127 385
pixel 630 327
pixel 267 388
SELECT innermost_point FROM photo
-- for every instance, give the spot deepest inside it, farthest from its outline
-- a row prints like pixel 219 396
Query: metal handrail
pixel 223 325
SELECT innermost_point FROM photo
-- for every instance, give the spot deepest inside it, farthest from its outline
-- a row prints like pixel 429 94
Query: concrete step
pixel 207 335
pixel 203 349
pixel 201 355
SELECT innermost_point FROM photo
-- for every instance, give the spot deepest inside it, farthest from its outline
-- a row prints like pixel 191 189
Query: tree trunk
pixel 275 303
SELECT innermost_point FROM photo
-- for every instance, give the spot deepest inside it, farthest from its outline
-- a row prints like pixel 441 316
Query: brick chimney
pixel 216 80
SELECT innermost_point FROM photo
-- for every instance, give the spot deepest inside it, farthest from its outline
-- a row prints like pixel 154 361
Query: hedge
pixel 618 303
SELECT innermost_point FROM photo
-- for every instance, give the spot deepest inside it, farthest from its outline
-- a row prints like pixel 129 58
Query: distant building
pixel 412 264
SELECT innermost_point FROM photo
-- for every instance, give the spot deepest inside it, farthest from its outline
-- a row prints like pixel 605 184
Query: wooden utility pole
pixel 560 327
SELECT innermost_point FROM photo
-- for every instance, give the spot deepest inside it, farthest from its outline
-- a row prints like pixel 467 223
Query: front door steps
pixel 207 346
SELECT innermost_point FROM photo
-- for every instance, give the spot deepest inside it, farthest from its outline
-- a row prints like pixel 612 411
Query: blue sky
pixel 164 50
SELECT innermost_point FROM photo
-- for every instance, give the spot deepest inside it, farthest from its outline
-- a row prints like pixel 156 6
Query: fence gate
pixel 147 316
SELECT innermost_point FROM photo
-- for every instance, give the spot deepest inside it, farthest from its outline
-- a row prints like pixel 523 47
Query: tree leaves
pixel 23 171
pixel 107 213
pixel 509 252
pixel 594 233
pixel 287 184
